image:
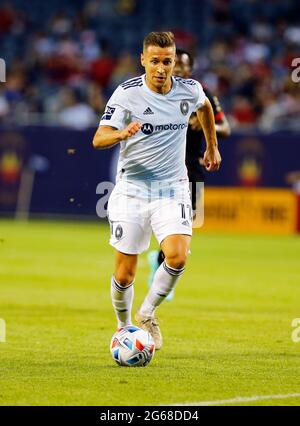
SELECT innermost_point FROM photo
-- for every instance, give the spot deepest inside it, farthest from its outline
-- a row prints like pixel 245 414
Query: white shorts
pixel 132 218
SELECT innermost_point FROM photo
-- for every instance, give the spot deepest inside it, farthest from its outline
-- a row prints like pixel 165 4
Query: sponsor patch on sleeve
pixel 108 113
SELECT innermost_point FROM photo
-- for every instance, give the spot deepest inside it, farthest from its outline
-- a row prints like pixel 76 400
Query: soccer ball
pixel 131 346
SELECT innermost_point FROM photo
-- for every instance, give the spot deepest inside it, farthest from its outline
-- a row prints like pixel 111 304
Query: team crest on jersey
pixel 147 128
pixel 118 232
pixel 108 113
pixel 184 107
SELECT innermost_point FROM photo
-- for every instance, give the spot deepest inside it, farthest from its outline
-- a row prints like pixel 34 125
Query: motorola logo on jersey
pixel 147 128
pixel 171 126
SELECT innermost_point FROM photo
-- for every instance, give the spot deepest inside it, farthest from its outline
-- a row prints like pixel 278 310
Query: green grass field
pixel 227 334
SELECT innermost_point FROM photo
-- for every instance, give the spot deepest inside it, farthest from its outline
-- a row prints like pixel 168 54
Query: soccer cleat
pixel 150 324
pixel 154 265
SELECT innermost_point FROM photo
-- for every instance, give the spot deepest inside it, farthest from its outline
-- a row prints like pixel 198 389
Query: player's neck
pixel 163 90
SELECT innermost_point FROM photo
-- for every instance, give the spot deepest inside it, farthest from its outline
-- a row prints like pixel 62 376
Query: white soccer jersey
pixel 157 151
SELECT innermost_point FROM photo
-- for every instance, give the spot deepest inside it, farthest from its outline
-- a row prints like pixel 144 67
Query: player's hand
pixel 212 159
pixel 195 123
pixel 130 130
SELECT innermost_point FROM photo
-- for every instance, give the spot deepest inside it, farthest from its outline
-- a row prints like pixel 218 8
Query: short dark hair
pixel 161 39
pixel 181 52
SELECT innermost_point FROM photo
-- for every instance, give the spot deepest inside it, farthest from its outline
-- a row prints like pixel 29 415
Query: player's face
pixel 159 64
pixel 183 67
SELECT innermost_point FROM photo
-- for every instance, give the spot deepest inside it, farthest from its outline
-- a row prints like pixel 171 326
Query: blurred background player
pixel 194 147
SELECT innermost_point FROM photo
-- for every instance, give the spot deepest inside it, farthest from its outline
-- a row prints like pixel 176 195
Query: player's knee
pixel 177 260
pixel 124 277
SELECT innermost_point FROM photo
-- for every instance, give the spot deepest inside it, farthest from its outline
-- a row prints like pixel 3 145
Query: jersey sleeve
pixel 116 110
pixel 218 112
pixel 200 98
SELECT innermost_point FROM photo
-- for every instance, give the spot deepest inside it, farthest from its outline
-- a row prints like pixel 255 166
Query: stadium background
pixel 63 60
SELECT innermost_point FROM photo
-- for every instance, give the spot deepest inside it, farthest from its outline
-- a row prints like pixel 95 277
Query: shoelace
pixel 153 321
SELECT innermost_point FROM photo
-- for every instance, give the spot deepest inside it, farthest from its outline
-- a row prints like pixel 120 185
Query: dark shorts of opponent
pixel 196 174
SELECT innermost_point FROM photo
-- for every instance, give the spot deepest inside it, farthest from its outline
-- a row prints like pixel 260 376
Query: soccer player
pixel 148 115
pixel 194 147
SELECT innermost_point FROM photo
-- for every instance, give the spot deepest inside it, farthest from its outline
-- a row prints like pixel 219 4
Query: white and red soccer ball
pixel 131 346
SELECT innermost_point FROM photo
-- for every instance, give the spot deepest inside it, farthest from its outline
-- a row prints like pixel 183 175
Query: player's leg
pixel 122 286
pixel 172 225
pixel 131 240
pixel 130 235
pixel 175 248
pixel 161 258
pixel 155 259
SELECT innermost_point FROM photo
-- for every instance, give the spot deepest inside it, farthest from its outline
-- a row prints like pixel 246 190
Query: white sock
pixel 164 280
pixel 122 298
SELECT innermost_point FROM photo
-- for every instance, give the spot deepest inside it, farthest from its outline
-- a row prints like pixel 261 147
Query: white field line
pixel 239 399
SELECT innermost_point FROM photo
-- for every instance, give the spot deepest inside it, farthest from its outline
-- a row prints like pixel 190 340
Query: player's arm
pixel 107 136
pixel 212 157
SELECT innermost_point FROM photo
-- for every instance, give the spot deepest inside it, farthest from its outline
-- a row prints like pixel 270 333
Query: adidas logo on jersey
pixel 148 111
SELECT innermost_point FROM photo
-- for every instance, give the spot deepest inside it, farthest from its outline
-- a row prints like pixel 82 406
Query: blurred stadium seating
pixel 70 55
